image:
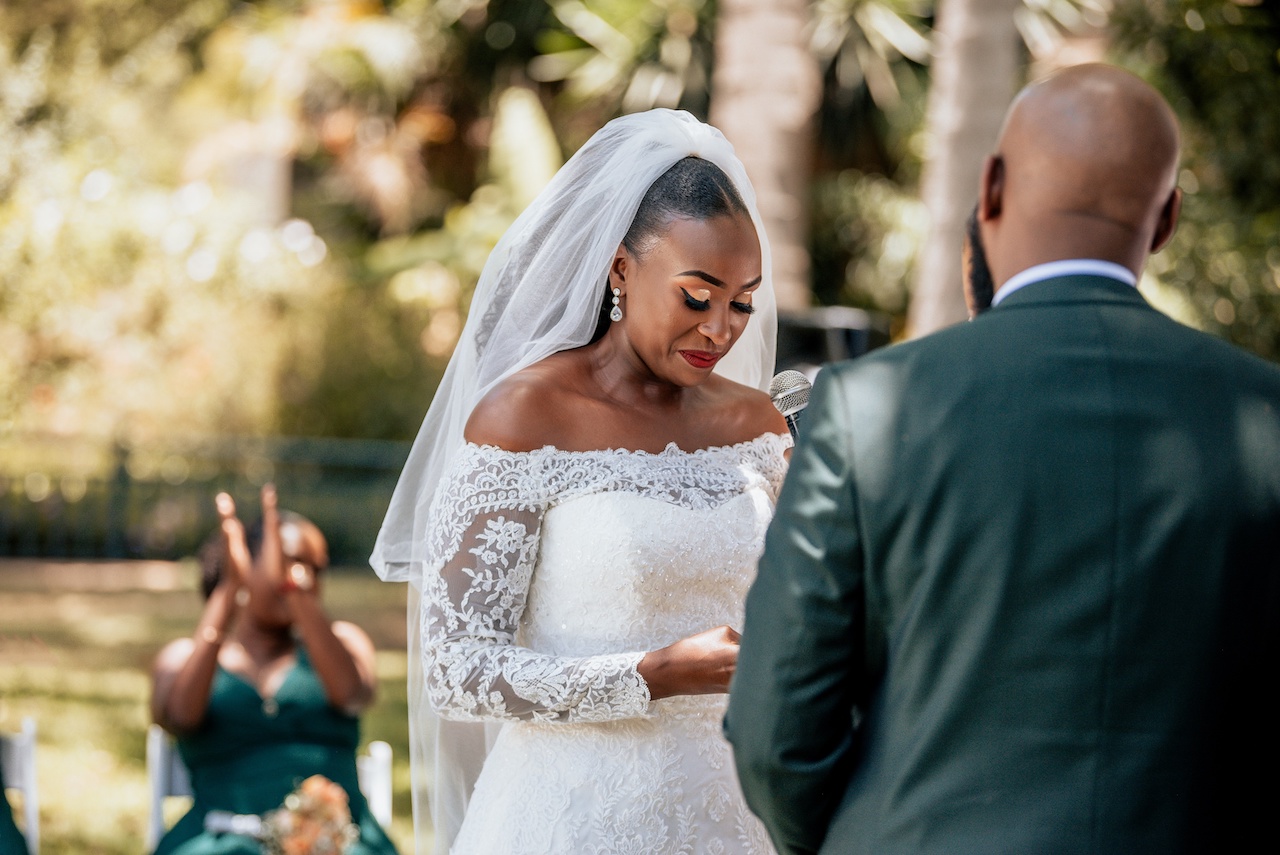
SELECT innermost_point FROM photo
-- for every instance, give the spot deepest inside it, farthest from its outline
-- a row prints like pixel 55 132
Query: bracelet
pixel 210 634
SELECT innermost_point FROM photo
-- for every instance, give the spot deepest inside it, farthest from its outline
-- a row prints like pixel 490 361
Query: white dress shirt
pixel 1067 267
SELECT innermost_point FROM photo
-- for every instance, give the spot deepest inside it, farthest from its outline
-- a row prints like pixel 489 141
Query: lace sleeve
pixel 768 456
pixel 487 522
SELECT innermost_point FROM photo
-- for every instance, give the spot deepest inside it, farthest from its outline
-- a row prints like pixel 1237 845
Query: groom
pixel 1022 592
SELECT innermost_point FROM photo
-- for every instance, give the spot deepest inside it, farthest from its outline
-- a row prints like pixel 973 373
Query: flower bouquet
pixel 314 820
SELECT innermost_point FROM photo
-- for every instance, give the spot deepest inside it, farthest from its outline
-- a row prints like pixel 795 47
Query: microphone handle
pixel 792 421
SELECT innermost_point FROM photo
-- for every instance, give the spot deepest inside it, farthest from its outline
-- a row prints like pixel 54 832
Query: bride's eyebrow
pixel 707 277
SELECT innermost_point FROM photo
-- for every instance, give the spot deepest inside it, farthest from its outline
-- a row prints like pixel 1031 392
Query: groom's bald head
pixel 1086 167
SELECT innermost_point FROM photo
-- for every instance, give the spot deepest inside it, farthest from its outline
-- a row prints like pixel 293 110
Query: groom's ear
pixel 1168 220
pixel 991 188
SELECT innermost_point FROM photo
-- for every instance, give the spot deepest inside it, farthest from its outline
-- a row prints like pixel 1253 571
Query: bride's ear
pixel 619 268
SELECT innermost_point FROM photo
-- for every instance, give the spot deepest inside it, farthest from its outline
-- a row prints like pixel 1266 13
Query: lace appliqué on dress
pixel 486 524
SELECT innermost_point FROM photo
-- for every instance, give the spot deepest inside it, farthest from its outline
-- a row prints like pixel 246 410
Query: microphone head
pixel 790 392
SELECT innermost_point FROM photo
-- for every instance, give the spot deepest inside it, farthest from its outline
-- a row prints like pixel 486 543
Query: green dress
pixel 250 753
pixel 11 839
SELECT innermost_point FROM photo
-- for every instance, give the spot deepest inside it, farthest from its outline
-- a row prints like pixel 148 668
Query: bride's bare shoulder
pixel 527 410
pixel 743 413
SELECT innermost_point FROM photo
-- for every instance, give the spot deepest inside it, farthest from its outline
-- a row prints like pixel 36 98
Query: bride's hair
pixel 693 189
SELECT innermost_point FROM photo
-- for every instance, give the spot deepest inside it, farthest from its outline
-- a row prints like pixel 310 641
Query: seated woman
pixel 262 702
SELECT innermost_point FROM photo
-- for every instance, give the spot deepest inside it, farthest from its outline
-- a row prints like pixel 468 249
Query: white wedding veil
pixel 540 292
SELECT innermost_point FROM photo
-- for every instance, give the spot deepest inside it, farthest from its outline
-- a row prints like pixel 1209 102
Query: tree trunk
pixel 765 93
pixel 977 58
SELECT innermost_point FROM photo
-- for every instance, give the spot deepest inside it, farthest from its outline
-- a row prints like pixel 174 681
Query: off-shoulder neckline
pixel 671 449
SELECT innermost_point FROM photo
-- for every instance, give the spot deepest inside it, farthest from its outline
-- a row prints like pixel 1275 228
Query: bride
pixel 583 508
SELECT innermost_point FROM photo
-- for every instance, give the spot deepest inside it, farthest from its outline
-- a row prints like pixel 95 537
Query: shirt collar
pixel 1068 267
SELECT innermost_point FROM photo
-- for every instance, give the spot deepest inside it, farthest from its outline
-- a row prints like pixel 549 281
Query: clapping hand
pixel 240 563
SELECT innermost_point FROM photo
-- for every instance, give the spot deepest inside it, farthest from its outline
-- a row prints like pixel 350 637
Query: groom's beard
pixel 978 285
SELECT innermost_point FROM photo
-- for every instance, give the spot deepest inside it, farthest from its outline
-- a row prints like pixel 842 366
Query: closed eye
pixel 745 308
pixel 696 305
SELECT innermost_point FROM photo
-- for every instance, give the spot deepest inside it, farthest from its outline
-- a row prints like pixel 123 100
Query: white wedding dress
pixel 557 571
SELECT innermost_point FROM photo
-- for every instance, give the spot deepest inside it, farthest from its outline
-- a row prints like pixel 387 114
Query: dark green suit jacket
pixel 1022 594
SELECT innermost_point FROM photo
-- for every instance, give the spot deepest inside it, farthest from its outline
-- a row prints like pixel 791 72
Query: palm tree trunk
pixel 977 60
pixel 765 93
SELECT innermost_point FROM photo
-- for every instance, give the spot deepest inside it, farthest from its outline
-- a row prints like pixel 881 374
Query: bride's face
pixel 688 298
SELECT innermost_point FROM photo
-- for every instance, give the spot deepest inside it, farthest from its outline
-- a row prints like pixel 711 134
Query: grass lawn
pixel 76 643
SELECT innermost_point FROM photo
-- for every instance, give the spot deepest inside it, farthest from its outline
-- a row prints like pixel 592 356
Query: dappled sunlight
pixel 68 681
pixel 93 788
pixel 107 795
pixel 113 629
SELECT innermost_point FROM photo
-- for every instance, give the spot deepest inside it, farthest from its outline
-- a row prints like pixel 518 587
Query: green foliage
pixel 631 53
pixel 152 281
pixel 867 231
pixel 416 293
pixel 257 218
pixel 126 296
pixel 865 225
pixel 1218 62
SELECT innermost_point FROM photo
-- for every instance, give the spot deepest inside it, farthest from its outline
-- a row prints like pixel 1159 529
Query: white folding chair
pixel 374 771
pixel 18 757
pixel 168 777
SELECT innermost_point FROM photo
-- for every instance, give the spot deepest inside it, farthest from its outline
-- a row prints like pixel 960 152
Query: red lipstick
pixel 701 358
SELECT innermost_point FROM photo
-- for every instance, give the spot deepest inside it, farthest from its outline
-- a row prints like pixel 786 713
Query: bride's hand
pixel 701 664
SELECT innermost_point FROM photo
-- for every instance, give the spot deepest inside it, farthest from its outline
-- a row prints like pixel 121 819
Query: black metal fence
pixel 71 498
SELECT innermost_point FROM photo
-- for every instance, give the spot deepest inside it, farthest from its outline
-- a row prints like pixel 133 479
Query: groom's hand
pixel 701 664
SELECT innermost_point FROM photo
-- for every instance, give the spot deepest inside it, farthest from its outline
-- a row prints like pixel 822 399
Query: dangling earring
pixel 615 314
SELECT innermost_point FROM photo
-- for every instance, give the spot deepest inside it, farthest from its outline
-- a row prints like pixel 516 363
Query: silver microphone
pixel 790 393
